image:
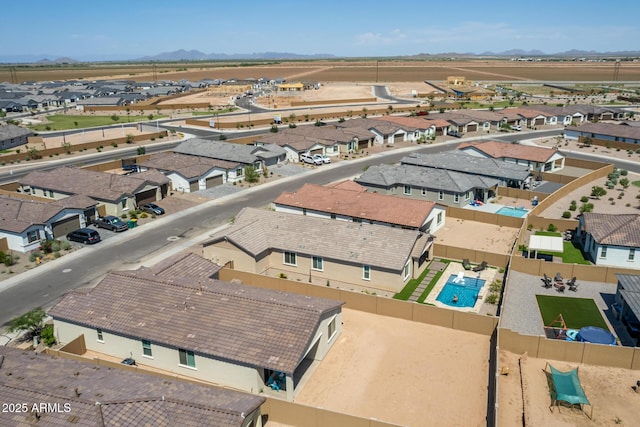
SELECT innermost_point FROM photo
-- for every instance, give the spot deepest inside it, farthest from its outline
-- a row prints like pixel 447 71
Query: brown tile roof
pixel 152 177
pixel 258 230
pixel 189 265
pixel 112 397
pixel 613 229
pixel 363 125
pixel 304 137
pixel 348 184
pixel 186 165
pixel 396 210
pixel 247 325
pixel 97 185
pixel 498 150
pixel 408 123
pixel 622 131
pixel 16 215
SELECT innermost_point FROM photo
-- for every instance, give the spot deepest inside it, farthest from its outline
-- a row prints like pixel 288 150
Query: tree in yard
pixel 32 322
pixel 115 117
pixel 251 175
pixel 598 192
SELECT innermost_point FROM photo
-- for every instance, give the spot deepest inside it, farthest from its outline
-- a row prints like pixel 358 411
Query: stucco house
pixel 605 132
pixel 322 250
pixel 445 187
pixel 77 392
pixel 383 132
pixel 259 157
pixel 13 136
pixel 349 201
pixel 507 174
pixel 628 302
pixel 116 194
pixel 238 336
pixel 24 222
pixel 538 159
pixel 611 239
pixel 191 173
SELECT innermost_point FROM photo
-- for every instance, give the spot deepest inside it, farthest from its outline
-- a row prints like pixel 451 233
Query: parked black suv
pixel 84 235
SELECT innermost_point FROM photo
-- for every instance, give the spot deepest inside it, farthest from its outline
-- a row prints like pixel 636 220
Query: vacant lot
pixel 336 71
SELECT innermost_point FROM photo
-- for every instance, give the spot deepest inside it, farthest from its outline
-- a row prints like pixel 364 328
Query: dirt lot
pixel 402 372
pixel 486 237
pixel 608 389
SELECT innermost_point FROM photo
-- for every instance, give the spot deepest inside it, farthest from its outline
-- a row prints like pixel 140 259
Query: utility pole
pixel 12 73
pixel 377 66
pixel 616 70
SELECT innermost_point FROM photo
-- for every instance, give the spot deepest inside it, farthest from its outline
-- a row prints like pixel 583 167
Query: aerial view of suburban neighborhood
pixel 340 218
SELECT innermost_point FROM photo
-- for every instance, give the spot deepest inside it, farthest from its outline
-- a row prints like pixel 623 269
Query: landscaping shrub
pixel 65 245
pixel 552 228
pixel 492 298
pixel 566 214
pixel 584 199
pixel 47 335
pixel 34 255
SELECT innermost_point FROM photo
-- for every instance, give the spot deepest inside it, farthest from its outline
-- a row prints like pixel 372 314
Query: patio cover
pixel 545 243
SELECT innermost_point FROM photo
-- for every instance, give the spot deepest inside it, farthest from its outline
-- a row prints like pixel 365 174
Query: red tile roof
pixel 371 206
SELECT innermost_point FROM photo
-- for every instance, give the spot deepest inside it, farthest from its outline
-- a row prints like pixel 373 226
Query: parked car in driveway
pixel 516 128
pixel 112 223
pixel 310 158
pixel 152 208
pixel 84 235
pixel 323 157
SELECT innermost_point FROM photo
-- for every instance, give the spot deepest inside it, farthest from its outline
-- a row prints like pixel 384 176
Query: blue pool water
pixel 466 291
pixel 509 211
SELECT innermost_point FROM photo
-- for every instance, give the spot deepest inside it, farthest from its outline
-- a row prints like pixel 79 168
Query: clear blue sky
pixel 113 29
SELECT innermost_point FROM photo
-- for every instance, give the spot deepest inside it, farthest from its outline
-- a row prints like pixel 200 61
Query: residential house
pixel 242 337
pixel 24 222
pixel 13 136
pixel 191 173
pixel 459 123
pixel 538 159
pixel 265 155
pixel 416 128
pixel 628 302
pixel 507 174
pixel 116 194
pixel 611 239
pixel 60 391
pixel 321 250
pixel 605 132
pixel 384 132
pixel 445 187
pixel 349 201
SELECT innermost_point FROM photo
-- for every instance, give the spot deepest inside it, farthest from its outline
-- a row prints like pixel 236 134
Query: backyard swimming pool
pixel 515 212
pixel 466 289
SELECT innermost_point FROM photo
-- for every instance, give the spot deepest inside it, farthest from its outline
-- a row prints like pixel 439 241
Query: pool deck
pixel 488 275
pixel 494 208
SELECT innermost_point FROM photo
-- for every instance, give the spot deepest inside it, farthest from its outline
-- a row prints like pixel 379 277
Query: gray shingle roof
pixel 630 282
pixel 387 176
pixel 13 131
pixel 240 153
pixel 186 165
pixel 613 229
pixel 459 161
pixel 125 398
pixel 622 131
pixel 257 230
pixel 97 185
pixel 246 325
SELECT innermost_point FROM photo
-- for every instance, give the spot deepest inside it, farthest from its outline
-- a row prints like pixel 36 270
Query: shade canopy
pixel 568 387
pixel 546 243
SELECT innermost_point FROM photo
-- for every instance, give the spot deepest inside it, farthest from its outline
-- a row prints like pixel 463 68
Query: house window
pixel 439 220
pixel 146 348
pixel 603 252
pixel 32 236
pixel 358 220
pixel 332 328
pixel 51 193
pixel 304 211
pixel 100 336
pixel 239 172
pixel 407 270
pixel 467 195
pixel 440 195
pixel 317 263
pixel 407 189
pixel 424 192
pixel 290 258
pixel 632 254
pixel 187 358
pixel 456 198
pixel 123 203
pixel 366 272
pixel 333 216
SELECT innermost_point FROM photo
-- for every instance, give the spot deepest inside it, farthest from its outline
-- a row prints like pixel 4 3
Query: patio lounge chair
pixel 558 278
pixel 547 281
pixel 480 267
pixel 466 264
pixel 573 286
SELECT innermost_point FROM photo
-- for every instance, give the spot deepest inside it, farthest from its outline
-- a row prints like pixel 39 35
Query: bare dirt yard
pixel 476 235
pixel 402 372
pixel 608 389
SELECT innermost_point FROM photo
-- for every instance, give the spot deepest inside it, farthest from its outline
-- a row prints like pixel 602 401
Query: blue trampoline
pixel 591 334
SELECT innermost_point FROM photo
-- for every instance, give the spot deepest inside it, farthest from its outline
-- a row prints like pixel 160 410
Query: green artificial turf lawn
pixel 577 312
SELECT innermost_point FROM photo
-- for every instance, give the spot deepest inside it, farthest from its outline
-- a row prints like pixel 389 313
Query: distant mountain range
pixel 196 55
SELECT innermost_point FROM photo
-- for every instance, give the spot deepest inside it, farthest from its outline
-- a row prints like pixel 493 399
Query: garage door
pixel 539 121
pixel 194 186
pixel 472 128
pixel 214 181
pixel 148 196
pixel 364 144
pixel 64 226
pixel 316 151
